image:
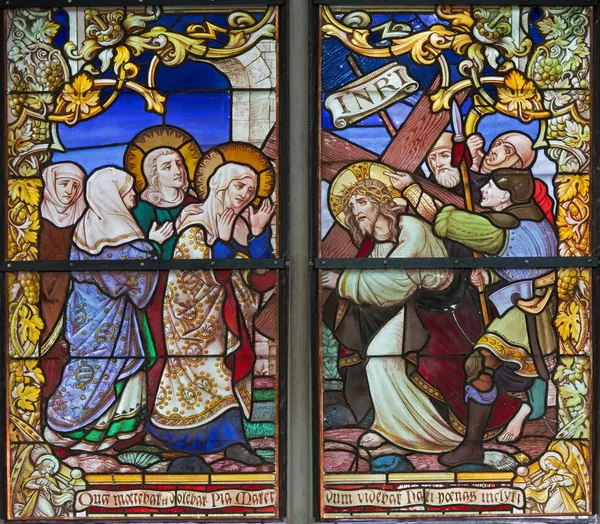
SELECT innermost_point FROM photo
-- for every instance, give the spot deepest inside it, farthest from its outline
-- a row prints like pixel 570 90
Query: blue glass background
pixel 371 133
pixel 198 100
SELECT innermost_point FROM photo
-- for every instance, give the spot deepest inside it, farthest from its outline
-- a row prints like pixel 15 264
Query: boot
pixel 244 455
pixel 470 450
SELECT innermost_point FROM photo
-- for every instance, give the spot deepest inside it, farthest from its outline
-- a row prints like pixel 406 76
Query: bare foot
pixel 371 440
pixel 515 426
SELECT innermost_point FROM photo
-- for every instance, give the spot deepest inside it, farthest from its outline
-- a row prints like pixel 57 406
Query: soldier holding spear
pixel 520 344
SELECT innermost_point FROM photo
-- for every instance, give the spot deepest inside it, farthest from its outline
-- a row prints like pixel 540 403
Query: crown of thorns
pixel 374 189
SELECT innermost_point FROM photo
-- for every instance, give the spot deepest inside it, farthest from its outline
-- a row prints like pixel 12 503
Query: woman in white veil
pixel 101 397
pixel 206 385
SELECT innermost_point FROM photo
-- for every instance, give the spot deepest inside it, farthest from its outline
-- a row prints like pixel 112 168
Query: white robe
pixel 404 414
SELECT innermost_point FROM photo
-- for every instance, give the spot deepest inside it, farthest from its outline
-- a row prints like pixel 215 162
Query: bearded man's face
pixel 365 212
pixel 439 161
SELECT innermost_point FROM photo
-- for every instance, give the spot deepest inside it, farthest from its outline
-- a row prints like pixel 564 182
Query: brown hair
pixel 153 192
pixel 386 209
pixel 518 182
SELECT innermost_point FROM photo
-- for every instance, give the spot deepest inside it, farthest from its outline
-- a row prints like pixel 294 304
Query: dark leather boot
pixel 470 450
pixel 244 455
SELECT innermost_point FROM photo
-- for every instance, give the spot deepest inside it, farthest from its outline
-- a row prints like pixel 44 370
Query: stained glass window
pixel 454 334
pixel 143 238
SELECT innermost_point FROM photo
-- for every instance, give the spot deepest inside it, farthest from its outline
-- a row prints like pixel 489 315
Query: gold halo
pixel 238 153
pixel 349 177
pixel 157 137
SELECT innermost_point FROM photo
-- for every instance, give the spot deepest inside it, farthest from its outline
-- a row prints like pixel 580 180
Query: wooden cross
pixel 406 152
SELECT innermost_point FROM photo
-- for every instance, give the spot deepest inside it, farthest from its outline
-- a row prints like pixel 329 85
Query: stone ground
pixel 151 459
pixel 341 450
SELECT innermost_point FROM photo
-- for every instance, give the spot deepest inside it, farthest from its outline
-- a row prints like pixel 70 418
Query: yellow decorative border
pixel 171 478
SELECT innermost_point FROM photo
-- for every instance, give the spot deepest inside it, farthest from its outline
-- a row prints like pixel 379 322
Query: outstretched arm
pixel 469 229
pixel 423 203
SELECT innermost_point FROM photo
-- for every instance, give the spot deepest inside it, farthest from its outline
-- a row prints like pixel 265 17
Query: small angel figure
pixel 558 490
pixel 44 493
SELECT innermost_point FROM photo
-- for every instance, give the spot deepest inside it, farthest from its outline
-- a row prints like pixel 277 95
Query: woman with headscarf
pixel 62 206
pixel 206 382
pixel 102 395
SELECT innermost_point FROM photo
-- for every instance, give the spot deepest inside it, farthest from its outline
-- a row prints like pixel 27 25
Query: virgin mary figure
pixel 101 397
pixel 206 383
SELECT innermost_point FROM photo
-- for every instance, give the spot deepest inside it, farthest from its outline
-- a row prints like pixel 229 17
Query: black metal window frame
pixel 280 264
pixel 592 261
pixel 400 3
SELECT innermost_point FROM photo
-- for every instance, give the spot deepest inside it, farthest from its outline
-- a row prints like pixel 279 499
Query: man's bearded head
pixel 366 202
pixel 510 150
pixel 439 162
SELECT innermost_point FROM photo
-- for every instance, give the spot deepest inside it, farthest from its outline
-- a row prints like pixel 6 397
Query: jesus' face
pixel 170 171
pixel 439 161
pixel 365 212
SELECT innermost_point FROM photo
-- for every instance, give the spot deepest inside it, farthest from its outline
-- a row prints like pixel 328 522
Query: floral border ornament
pixel 114 38
pixel 561 66
pixel 25 382
pixel 34 69
pixel 573 377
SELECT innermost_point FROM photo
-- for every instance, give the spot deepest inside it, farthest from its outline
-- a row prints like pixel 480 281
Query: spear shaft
pixel 459 138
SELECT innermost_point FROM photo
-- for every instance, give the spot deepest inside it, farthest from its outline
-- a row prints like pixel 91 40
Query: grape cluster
pixel 16 102
pixel 547 71
pixel 12 248
pixel 567 280
pixel 31 286
pixel 582 96
pixel 578 372
pixel 557 127
pixel 40 130
pixel 52 74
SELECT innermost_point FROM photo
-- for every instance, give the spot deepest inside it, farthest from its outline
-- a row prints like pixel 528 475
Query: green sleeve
pixel 145 215
pixel 469 229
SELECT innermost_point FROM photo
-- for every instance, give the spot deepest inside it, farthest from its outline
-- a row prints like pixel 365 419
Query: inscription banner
pixel 370 94
pixel 146 498
pixel 404 498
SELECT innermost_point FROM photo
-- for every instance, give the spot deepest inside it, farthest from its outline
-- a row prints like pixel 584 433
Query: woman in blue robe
pixel 101 397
